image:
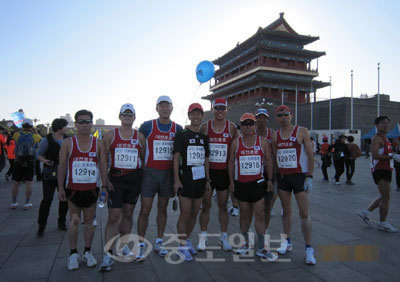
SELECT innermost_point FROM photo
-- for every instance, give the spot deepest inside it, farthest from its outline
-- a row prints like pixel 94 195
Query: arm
pixel 103 167
pixel 231 164
pixel 274 150
pixel 203 128
pixel 269 164
pixel 177 181
pixel 207 165
pixel 62 168
pixel 107 140
pixel 142 141
pixel 376 144
pixel 309 152
pixel 43 146
pixel 233 130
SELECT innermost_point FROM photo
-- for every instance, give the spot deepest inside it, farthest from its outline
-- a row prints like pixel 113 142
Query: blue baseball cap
pixel 262 112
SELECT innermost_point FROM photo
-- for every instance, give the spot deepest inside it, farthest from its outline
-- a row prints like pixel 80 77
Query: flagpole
pixel 295 117
pixel 379 104
pixel 351 104
pixel 330 103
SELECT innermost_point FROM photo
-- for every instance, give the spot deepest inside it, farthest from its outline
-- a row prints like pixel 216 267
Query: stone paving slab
pixel 334 213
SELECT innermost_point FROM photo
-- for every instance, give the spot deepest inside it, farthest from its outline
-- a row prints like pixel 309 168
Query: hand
pixel 104 189
pixel 177 185
pixel 61 195
pixel 232 186
pixel 48 162
pixel 308 184
pixel 110 186
pixel 270 186
pixel 208 186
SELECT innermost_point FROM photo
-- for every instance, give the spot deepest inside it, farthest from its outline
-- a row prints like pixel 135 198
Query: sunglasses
pixel 84 121
pixel 282 115
pixel 248 123
pixel 220 108
pixel 127 114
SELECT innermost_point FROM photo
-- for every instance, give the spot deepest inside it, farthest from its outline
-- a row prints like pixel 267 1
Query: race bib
pixel 287 158
pixel 198 172
pixel 163 150
pixel 250 165
pixel 126 158
pixel 195 156
pixel 84 172
pixel 218 152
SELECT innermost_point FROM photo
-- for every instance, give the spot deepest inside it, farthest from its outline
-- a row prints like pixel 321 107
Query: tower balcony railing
pixel 276 65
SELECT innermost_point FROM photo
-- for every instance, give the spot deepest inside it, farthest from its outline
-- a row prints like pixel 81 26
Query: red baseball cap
pixel 247 116
pixel 195 106
pixel 221 102
pixel 283 108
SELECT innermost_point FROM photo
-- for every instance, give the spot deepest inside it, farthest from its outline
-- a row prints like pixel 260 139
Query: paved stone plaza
pixel 346 248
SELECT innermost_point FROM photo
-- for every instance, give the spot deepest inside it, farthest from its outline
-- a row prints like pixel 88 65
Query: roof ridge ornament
pixel 281 15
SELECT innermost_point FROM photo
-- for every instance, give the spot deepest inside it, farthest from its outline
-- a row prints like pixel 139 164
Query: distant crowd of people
pixel 250 163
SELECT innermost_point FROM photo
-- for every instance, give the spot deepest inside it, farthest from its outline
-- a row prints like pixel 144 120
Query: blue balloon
pixel 205 71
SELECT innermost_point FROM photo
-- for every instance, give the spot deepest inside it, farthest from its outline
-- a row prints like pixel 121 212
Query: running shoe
pixel 94 222
pixel 73 262
pixel 202 242
pixel 185 254
pixel 190 247
pixel 224 242
pixel 160 249
pixel 310 259
pixel 235 211
pixel 243 250
pixel 106 263
pixel 140 256
pixel 230 210
pixel 14 206
pixel 337 183
pixel 270 256
pixel 386 226
pixel 272 212
pixel 285 247
pixel 89 259
pixel 127 252
pixel 28 206
pixel 365 216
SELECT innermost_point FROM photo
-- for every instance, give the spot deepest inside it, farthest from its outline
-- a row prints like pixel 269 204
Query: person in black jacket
pixel 339 152
pixel 49 149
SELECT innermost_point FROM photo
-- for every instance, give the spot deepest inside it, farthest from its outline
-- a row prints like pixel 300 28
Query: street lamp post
pixel 295 110
pixel 330 103
pixel 351 104
pixel 379 104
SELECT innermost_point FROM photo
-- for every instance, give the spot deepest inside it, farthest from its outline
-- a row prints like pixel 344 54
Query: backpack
pixel 25 148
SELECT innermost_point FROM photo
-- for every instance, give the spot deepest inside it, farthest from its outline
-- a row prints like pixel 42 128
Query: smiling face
pixel 220 112
pixel 247 127
pixel 127 117
pixel 383 126
pixel 164 110
pixel 195 117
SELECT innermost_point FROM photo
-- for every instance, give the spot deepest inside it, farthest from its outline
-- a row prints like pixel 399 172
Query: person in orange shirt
pixel 10 150
pixel 325 158
pixel 2 154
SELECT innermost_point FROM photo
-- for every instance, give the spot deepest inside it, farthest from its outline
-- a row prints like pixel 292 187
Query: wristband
pixel 104 187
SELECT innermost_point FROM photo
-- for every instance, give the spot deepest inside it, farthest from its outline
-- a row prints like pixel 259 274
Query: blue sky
pixel 57 57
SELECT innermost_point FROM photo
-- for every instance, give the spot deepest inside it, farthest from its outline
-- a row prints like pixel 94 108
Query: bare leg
pixel 143 219
pixel 88 216
pixel 302 203
pixel 222 197
pixel 286 201
pixel 74 220
pixel 384 189
pixel 162 205
pixel 28 191
pixel 185 206
pixel 125 227
pixel 205 211
pixel 114 216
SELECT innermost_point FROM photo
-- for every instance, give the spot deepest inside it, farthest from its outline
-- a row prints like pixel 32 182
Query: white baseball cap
pixel 127 106
pixel 27 121
pixel 164 98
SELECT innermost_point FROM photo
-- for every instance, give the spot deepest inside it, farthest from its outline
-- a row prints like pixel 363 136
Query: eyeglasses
pixel 282 115
pixel 220 109
pixel 248 123
pixel 84 121
pixel 127 114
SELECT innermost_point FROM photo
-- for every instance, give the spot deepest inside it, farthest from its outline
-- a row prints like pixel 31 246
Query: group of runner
pixel 255 163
